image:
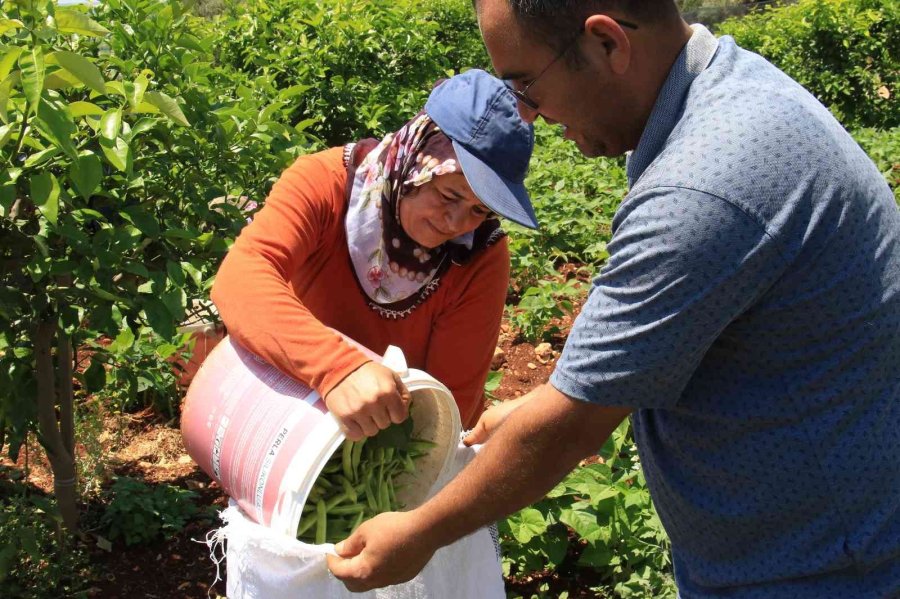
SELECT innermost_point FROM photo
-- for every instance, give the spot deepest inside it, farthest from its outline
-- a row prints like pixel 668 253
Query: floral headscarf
pixel 393 271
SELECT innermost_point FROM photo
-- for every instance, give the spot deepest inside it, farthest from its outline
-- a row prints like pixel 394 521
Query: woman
pixel 392 242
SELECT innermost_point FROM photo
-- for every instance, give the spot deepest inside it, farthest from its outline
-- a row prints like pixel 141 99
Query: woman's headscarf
pixel 394 272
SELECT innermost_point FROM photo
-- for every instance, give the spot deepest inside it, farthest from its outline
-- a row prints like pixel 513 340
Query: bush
pixel 35 559
pixel 360 68
pixel 139 513
pixel 883 147
pixel 116 133
pixel 846 52
pixel 598 520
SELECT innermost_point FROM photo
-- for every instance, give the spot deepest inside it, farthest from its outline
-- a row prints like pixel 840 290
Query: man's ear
pixel 607 41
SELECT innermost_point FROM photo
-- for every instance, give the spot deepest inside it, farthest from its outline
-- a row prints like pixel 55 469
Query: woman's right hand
pixel 368 400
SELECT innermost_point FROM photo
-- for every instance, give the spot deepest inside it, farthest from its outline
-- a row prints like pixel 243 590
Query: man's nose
pixel 529 115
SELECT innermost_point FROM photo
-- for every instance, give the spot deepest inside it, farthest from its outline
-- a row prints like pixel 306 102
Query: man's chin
pixel 591 149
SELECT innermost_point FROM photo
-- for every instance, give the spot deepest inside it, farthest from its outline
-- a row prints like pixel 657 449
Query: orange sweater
pixel 289 277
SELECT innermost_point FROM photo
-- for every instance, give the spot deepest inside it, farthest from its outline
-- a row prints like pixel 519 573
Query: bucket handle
pixel 395 360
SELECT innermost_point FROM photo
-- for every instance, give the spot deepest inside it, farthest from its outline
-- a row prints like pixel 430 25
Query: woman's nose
pixel 457 221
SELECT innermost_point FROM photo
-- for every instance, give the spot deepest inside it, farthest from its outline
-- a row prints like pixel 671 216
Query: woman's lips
pixel 438 231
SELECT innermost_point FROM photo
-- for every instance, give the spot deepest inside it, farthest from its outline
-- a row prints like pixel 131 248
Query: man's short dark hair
pixel 557 22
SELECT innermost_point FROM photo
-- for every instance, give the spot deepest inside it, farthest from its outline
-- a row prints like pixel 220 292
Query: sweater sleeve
pixel 253 290
pixel 465 334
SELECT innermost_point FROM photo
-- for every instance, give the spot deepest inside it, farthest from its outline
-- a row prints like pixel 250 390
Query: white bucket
pixel 265 437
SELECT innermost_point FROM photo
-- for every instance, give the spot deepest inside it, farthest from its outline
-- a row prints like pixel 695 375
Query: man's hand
pixel 493 417
pixel 369 399
pixel 388 549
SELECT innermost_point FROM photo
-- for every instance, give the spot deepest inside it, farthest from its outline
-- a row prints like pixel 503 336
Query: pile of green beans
pixel 357 483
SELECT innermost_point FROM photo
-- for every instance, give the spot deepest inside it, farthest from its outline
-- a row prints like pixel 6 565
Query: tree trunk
pixel 53 434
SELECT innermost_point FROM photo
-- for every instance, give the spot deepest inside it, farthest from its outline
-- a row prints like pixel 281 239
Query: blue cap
pixel 492 142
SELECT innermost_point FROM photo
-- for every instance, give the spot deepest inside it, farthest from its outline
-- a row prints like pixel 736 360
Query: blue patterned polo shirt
pixel 750 314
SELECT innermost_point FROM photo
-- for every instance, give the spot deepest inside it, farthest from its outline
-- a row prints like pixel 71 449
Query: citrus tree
pixel 115 137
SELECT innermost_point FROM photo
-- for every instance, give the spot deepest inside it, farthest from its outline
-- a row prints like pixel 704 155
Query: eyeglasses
pixel 522 95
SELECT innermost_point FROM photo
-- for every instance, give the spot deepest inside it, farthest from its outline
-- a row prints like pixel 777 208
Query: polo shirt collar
pixel 693 60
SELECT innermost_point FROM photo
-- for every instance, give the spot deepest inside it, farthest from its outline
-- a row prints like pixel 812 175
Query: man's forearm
pixel 534 449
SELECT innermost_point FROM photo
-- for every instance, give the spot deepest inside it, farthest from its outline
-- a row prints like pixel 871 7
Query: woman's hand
pixel 492 418
pixel 369 399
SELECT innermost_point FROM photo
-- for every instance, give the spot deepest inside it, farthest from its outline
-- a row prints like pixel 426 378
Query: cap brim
pixel 507 198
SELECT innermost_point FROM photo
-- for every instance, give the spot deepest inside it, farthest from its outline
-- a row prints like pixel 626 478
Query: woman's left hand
pixel 369 399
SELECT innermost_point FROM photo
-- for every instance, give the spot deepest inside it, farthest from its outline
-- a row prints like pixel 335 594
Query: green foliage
pixel 491 384
pixel 35 559
pixel 883 147
pixel 140 513
pixel 601 516
pixel 540 305
pixel 846 52
pixel 359 68
pixel 117 133
pixel 574 199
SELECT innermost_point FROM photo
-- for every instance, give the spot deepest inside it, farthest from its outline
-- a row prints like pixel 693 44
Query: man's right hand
pixel 492 418
pixel 368 399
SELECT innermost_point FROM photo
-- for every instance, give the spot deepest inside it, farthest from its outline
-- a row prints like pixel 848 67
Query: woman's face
pixel 443 208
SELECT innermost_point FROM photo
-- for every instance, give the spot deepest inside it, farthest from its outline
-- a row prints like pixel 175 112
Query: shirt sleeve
pixel 253 290
pixel 465 332
pixel 683 265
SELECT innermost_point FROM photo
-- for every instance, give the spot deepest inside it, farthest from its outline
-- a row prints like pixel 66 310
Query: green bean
pixel 356 484
pixel 349 490
pixel 305 525
pixel 321 522
pixel 355 456
pixel 347 460
pixel 370 495
pixel 358 521
pixel 344 510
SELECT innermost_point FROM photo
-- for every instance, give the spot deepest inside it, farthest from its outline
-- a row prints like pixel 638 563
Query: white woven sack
pixel 264 565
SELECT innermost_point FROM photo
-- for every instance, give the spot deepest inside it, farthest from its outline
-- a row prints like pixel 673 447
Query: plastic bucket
pixel 265 437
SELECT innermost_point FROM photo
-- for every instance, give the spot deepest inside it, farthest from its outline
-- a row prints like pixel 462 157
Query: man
pixel 748 317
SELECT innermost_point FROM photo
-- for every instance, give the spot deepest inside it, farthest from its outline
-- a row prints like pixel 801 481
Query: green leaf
pixel 9 60
pixel 117 152
pixel 82 108
pixel 61 79
pixel 7 25
pixel 175 273
pixel 176 302
pixel 142 126
pixel 143 220
pixel 86 71
pixel 5 89
pixel 33 68
pixel 583 523
pixel 45 194
pixel 40 157
pixel 527 524
pixel 167 106
pixel 86 173
pixel 134 92
pixel 95 375
pixel 111 124
pixel 158 317
pixel 166 350
pixel 123 341
pixel 56 124
pixel 193 272
pixel 74 21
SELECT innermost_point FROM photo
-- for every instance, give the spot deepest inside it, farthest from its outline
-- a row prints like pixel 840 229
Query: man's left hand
pixel 388 549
